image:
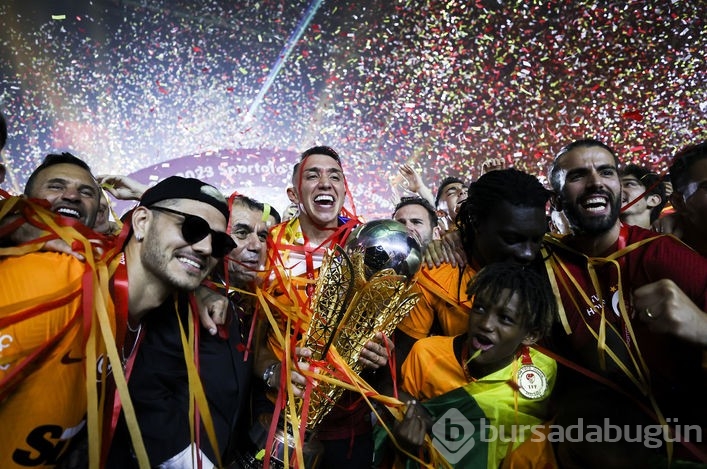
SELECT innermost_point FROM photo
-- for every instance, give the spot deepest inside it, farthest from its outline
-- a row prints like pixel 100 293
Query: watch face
pixel 269 372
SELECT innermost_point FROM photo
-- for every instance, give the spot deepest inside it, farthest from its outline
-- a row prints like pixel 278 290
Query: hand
pixel 213 308
pixel 492 164
pixel 446 250
pixel 413 178
pixel 59 245
pixel 668 224
pixel 298 380
pixel 410 432
pixel 122 187
pixel 666 309
pixel 375 353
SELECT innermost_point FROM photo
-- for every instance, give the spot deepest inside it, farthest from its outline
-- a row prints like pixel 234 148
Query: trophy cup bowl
pixel 385 244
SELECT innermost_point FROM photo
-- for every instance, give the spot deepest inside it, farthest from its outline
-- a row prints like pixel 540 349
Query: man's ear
pixel 292 195
pixel 653 200
pixel 531 338
pixel 140 220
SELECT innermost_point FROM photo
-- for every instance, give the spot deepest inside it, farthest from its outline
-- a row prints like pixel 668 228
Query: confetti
pixel 444 85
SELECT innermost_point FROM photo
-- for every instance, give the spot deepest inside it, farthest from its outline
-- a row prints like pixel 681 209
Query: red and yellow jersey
pixel 42 358
pixel 443 303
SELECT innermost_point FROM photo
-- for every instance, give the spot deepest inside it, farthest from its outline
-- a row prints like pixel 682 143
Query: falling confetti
pixel 445 85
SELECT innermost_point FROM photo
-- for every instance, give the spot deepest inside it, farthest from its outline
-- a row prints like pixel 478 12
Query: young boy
pixel 489 374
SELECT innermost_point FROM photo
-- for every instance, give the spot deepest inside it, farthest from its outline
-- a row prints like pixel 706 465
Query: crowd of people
pixel 172 336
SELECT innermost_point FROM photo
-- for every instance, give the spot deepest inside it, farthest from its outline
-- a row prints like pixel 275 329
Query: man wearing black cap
pixel 158 384
pixel 175 237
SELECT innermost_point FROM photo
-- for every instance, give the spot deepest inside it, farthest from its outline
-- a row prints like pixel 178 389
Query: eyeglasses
pixel 194 229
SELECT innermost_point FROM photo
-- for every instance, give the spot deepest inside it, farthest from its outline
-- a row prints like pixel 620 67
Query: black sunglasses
pixel 194 229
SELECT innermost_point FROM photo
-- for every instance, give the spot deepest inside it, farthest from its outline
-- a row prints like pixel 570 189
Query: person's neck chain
pixel 136 332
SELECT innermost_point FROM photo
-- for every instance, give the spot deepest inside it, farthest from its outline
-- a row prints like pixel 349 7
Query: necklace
pixel 136 331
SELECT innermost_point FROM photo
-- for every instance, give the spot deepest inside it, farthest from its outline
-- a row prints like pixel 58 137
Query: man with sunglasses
pixel 225 373
pixel 176 236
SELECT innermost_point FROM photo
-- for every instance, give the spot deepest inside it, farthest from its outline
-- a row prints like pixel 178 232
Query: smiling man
pixel 249 227
pixel 451 193
pixel 177 235
pixel 224 365
pixel 66 182
pixel 632 311
pixel 296 249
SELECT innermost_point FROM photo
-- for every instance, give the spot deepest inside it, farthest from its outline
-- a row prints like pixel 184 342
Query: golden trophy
pixel 362 289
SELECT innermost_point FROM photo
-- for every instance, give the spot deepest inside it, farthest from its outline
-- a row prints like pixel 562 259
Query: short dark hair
pixel 421 202
pixel 445 182
pixel 320 150
pixel 3 131
pixel 253 204
pixel 652 182
pixel 246 202
pixel 682 163
pixel 538 303
pixel 491 189
pixel 583 143
pixel 54 159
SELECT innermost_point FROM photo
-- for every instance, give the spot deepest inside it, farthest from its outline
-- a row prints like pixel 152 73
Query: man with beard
pixel 632 317
pixel 49 301
pixel 451 192
pixel 159 381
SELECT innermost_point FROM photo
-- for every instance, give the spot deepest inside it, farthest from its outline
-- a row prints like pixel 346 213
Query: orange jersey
pixel 443 301
pixel 45 406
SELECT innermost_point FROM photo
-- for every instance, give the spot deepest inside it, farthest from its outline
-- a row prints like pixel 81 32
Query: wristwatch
pixel 268 374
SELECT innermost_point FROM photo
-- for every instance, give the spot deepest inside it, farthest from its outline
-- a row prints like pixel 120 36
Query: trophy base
pixel 253 459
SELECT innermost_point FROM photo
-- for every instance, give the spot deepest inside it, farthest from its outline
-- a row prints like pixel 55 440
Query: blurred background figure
pixel 642 196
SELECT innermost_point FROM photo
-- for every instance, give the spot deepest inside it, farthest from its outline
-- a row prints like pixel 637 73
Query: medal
pixel 532 382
